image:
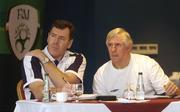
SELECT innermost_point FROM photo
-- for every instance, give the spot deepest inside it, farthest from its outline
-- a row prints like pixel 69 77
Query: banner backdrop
pixel 20 31
pixel 20 26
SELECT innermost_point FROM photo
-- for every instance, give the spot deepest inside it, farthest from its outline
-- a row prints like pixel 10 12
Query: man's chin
pixel 114 61
pixel 55 55
pixel 114 58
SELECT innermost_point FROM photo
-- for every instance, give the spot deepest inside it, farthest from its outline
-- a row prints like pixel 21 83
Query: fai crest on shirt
pixel 22 28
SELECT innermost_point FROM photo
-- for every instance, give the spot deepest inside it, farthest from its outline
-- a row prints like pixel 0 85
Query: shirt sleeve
pixel 98 83
pixel 78 66
pixel 157 77
pixel 31 70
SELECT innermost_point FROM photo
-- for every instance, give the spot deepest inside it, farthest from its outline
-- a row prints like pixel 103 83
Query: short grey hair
pixel 124 34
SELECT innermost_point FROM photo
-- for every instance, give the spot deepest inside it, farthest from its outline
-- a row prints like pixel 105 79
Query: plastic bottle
pixel 46 93
pixel 140 94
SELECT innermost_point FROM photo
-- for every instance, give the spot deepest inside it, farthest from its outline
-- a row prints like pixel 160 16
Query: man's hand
pixel 66 88
pixel 37 53
pixel 171 89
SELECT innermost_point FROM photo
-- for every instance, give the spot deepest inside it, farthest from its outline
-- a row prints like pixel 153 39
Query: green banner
pixel 5 9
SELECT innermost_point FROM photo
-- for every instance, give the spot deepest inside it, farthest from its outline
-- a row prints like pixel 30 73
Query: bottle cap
pixel 140 73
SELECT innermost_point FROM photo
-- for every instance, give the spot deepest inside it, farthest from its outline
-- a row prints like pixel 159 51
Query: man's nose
pixel 113 48
pixel 56 40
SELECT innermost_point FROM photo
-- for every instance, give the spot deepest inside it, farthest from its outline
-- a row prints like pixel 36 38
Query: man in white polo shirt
pixel 121 71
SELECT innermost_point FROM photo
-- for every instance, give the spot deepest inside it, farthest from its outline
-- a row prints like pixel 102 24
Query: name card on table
pixel 173 107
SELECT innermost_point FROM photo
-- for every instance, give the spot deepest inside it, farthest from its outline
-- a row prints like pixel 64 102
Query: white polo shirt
pixel 111 81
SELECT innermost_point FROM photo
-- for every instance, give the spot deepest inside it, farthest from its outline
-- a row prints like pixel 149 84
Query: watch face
pixel 46 60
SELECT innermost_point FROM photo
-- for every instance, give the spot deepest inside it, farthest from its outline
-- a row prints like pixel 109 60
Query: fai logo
pixel 22 28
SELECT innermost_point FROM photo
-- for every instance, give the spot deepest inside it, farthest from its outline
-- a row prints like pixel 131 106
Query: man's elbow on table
pixel 171 89
pixel 36 89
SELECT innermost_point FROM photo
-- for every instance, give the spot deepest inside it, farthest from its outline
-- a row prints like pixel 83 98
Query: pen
pixel 114 90
pixel 65 81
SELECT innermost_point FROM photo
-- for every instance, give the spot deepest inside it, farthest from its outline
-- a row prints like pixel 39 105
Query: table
pixel 34 106
pixel 154 105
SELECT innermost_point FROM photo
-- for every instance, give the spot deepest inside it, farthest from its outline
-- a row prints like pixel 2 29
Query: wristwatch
pixel 46 60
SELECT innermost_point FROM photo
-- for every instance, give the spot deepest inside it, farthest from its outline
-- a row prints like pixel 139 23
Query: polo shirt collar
pixel 66 55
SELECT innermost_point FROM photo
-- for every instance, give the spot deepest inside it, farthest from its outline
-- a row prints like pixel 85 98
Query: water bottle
pixel 140 87
pixel 46 93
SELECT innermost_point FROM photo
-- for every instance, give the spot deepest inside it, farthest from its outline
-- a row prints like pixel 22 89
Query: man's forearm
pixel 55 74
pixel 178 92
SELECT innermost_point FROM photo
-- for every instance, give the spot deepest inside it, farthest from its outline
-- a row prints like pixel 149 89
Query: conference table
pixel 150 105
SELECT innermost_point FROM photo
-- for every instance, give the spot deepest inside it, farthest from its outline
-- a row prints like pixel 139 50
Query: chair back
pixel 20 91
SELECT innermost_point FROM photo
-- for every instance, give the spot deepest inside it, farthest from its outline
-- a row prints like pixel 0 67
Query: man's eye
pixel 109 45
pixel 118 45
pixel 52 35
pixel 60 38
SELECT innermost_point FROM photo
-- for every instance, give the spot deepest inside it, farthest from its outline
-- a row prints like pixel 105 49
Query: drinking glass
pixel 77 90
pixel 129 92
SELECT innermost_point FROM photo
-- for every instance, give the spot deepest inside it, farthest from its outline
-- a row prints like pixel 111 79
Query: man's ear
pixel 129 48
pixel 70 43
pixel 47 37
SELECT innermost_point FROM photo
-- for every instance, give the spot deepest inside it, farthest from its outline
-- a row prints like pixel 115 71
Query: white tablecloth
pixel 173 107
pixel 33 106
